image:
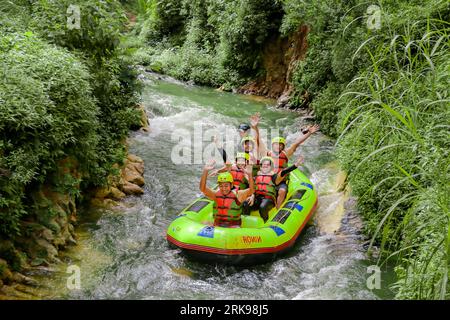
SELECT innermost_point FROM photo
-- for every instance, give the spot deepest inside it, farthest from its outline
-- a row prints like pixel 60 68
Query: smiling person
pixel 237 170
pixel 266 181
pixel 280 154
pixel 228 202
pixel 244 133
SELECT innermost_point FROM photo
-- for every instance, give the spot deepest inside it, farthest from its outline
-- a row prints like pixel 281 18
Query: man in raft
pixel 237 170
pixel 228 202
pixel 280 154
pixel 244 131
pixel 266 181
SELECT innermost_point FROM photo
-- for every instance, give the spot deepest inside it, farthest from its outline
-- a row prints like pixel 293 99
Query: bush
pixel 394 143
pixel 47 113
pixel 64 93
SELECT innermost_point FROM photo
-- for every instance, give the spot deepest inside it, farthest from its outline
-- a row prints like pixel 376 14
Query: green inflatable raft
pixel 255 241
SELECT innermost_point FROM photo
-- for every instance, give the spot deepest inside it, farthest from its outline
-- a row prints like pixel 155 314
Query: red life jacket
pixel 227 209
pixel 240 181
pixel 255 162
pixel 280 160
pixel 265 186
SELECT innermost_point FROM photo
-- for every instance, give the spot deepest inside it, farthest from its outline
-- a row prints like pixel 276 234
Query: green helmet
pixel 225 177
pixel 266 158
pixel 243 155
pixel 279 140
pixel 247 138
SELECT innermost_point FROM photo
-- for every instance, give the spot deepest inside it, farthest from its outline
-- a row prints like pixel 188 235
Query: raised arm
pixel 226 167
pixel 244 194
pixel 260 145
pixel 290 151
pixel 203 188
pixel 283 173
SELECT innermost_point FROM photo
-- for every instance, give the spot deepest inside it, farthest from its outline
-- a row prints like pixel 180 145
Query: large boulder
pixel 133 176
pixel 132 189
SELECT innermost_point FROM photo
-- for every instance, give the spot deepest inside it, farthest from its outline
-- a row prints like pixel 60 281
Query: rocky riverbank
pixel 50 228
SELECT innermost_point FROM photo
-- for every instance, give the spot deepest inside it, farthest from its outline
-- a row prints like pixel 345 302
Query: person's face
pixel 242 133
pixel 240 163
pixel 277 147
pixel 248 146
pixel 225 187
pixel 266 166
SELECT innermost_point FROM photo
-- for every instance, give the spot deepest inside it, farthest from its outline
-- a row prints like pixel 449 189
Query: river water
pixel 123 253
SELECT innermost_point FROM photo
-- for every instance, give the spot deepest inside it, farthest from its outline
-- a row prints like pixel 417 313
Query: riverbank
pixel 68 102
pixel 44 247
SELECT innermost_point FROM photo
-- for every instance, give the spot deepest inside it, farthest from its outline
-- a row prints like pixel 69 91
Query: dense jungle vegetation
pixel 65 93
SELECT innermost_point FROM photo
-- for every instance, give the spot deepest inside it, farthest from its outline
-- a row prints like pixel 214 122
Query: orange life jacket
pixel 227 209
pixel 240 182
pixel 265 186
pixel 280 160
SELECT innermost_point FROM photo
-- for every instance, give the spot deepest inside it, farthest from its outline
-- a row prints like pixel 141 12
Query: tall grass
pixel 395 144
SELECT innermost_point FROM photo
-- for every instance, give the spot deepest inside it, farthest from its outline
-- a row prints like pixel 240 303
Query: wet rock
pixel 134 158
pixel 135 166
pixel 111 192
pixel 133 177
pixel 116 194
pixel 132 189
pixel 20 278
pixel 39 262
pixel 5 274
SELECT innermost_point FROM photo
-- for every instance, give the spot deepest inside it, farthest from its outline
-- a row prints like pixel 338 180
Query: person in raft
pixel 227 201
pixel 237 170
pixel 280 155
pixel 243 130
pixel 266 181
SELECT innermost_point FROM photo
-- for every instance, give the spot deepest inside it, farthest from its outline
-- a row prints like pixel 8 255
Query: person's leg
pixel 246 208
pixel 282 190
pixel 264 208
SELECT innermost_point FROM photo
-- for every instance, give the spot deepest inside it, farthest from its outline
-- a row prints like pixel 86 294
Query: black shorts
pixel 282 185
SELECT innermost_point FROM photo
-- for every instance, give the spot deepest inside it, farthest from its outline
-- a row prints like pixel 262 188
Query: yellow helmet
pixel 247 138
pixel 267 158
pixel 225 177
pixel 243 155
pixel 279 140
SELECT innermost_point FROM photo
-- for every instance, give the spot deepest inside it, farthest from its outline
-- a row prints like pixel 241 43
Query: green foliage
pixel 394 143
pixel 210 42
pixel 63 93
pixel 385 94
pixel 46 113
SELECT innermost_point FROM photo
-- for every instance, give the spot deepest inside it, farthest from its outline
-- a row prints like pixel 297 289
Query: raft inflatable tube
pixel 254 242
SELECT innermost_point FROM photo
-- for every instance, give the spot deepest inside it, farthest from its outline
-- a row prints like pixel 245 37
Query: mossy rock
pixel 5 274
pixel 17 260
